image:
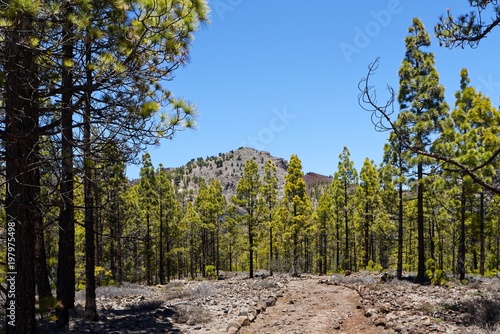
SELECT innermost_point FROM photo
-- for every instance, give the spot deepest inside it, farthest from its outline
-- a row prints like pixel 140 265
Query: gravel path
pixel 310 307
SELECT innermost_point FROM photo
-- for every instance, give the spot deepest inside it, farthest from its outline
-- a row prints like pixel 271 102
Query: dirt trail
pixel 309 307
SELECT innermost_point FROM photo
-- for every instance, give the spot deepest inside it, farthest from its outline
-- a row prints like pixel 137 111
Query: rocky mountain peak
pixel 228 169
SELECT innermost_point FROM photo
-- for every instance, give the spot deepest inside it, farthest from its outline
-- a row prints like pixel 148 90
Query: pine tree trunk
pixel 66 257
pixel 338 243
pixel 399 270
pixel 366 258
pixel 270 249
pixel 461 242
pixel 347 259
pixel 295 260
pixel 161 271
pixel 119 253
pixel 217 248
pixel 90 283
pixel 21 202
pixel 41 273
pixel 420 225
pixel 42 276
pixel 149 277
pixel 324 247
pixel 250 245
pixel 482 255
pixel 168 244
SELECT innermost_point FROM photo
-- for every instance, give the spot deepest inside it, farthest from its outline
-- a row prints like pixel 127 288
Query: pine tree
pixel 298 204
pixel 247 197
pixel 70 53
pixel 168 211
pixel 471 139
pixel 210 204
pixel 349 178
pixel 269 190
pixel 19 137
pixel 192 221
pixel 396 155
pixel 369 203
pixel 324 214
pixel 148 200
pixel 422 105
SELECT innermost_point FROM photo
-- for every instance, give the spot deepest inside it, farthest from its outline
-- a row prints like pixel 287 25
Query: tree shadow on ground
pixel 141 318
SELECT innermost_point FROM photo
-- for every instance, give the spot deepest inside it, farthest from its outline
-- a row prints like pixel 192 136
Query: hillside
pixel 228 169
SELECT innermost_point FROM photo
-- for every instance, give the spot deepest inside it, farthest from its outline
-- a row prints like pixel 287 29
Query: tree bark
pixel 161 272
pixel 42 276
pixel 482 253
pixel 66 257
pixel 90 284
pixel 461 242
pixel 399 271
pixel 420 225
pixel 21 202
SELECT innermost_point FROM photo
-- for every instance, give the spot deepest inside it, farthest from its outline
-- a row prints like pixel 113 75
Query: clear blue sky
pixel 282 76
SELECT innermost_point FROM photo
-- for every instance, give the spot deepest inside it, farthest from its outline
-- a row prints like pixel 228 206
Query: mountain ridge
pixel 228 169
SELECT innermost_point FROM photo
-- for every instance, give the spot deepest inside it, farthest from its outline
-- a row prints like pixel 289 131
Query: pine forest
pixel 84 94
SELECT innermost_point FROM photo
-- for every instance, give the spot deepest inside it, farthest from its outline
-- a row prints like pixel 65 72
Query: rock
pixel 261 305
pixel 243 321
pixel 379 321
pixel 233 327
pixel 270 301
pixel 252 313
pixel 369 312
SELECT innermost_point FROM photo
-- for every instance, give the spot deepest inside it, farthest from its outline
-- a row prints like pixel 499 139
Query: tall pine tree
pixel 247 196
pixel 299 207
pixel 421 100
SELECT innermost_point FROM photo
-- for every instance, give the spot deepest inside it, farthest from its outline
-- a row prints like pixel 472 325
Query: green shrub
pixel 210 271
pixel 373 266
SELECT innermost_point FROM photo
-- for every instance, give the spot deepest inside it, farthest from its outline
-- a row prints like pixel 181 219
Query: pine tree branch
pixel 381 118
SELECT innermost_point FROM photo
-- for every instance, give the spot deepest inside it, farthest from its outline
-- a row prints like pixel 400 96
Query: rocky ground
pixel 359 303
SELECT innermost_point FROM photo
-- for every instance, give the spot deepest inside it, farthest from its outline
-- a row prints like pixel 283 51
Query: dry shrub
pixel 126 289
pixel 146 305
pixel 482 312
pixel 189 291
pixel 191 314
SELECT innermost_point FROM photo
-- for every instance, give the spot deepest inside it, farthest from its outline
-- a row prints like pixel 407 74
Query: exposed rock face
pixel 228 169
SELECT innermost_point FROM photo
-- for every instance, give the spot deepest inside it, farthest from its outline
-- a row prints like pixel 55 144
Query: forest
pixel 84 93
